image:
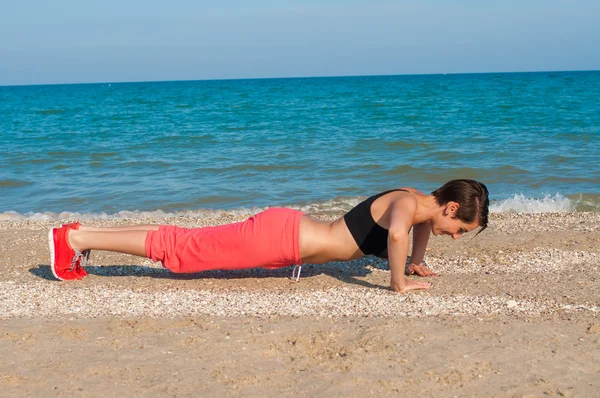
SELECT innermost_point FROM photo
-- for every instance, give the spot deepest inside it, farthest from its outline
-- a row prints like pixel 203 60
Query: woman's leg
pixel 146 227
pixel 70 245
pixel 121 240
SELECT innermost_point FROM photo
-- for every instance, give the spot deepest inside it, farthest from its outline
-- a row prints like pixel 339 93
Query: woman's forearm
pixel 397 253
pixel 421 234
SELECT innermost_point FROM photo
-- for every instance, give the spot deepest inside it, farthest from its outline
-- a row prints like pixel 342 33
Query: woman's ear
pixel 451 209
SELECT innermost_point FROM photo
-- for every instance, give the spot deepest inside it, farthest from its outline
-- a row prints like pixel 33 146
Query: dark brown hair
pixel 472 196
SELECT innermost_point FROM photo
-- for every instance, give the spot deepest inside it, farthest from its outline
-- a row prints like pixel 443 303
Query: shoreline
pixel 514 312
pixel 516 203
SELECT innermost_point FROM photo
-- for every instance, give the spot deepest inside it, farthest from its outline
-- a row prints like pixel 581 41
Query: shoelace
pixel 294 276
pixel 80 259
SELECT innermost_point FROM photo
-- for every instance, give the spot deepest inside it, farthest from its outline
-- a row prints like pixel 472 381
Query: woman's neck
pixel 427 209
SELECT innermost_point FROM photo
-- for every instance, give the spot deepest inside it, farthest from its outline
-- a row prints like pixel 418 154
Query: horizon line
pixel 295 77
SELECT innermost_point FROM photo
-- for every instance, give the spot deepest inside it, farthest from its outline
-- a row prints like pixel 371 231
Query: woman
pixel 280 237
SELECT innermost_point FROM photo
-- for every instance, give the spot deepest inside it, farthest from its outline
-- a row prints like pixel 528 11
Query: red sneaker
pixel 65 262
pixel 85 253
pixel 73 225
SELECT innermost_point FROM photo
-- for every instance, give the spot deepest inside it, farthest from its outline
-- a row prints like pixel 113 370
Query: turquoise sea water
pixel 314 143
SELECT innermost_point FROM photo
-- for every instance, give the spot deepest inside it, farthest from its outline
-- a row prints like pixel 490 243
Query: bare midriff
pixel 324 241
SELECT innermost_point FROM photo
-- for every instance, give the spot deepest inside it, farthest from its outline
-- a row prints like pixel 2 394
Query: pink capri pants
pixel 269 239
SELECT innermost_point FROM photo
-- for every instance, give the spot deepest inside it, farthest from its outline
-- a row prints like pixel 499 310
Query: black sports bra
pixel 370 237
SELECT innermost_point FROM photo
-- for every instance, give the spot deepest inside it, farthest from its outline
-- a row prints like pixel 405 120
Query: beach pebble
pixel 594 329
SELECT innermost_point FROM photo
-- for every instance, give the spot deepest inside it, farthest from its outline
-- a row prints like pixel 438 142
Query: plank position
pixel 279 237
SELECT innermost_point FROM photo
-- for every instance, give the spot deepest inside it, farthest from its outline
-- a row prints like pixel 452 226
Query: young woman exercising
pixel 280 237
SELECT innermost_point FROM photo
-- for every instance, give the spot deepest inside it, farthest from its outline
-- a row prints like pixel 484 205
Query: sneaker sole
pixel 51 244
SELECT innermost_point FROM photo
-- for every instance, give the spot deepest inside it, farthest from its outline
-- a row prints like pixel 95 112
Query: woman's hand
pixel 419 269
pixel 410 284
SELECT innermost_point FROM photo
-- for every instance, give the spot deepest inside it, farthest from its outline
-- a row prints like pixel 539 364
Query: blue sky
pixel 69 41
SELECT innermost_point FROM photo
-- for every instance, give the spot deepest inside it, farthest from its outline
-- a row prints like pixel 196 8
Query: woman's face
pixel 447 223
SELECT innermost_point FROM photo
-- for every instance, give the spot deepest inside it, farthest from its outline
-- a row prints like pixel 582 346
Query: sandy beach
pixel 514 312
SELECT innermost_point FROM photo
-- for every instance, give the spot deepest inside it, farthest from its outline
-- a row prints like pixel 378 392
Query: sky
pixel 74 41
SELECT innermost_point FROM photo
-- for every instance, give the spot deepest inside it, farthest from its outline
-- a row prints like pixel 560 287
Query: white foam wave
pixel 338 205
pixel 125 214
pixel 519 203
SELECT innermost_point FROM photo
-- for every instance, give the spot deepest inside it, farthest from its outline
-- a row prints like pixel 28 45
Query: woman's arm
pixel 421 234
pixel 401 215
pixel 420 239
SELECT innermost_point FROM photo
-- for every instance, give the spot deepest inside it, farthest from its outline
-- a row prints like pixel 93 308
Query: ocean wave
pixel 50 111
pixel 556 203
pixel 336 206
pixel 518 203
pixel 14 183
pixel 124 214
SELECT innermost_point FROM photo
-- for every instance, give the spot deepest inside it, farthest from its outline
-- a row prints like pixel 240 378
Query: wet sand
pixel 514 312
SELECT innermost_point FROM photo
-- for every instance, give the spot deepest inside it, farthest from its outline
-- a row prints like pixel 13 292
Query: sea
pixel 152 149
